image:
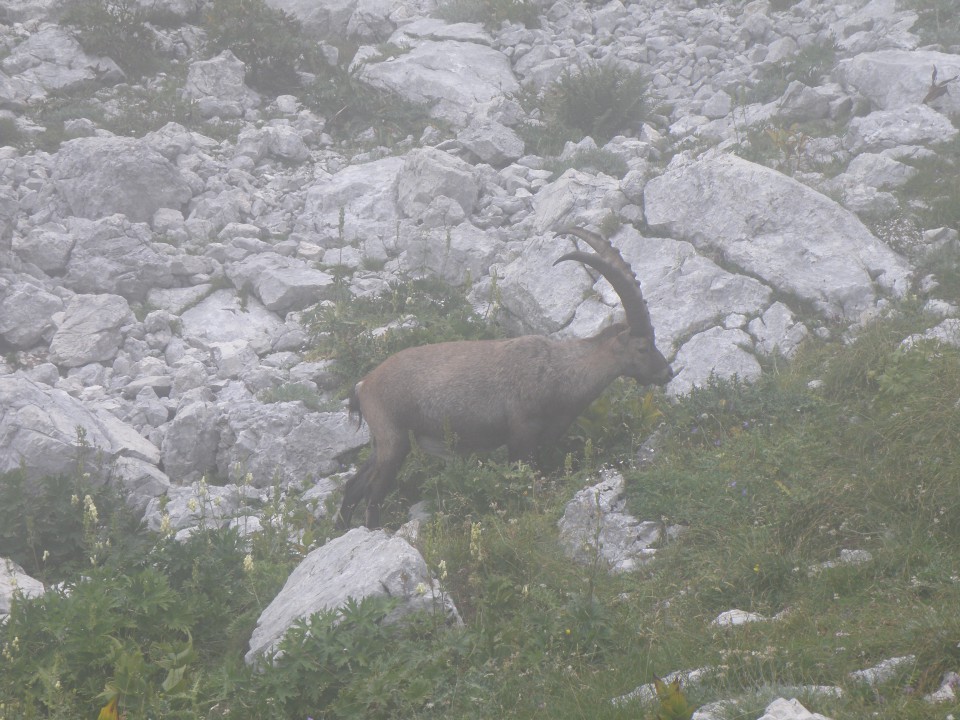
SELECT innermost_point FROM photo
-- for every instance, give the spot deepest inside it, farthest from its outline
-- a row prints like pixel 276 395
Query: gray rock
pixel 910 125
pixel 199 505
pixel 14 582
pixel 453 254
pixel 685 291
pixel 877 171
pixel 778 230
pixel 190 442
pixel 281 283
pixel 91 330
pixel 26 312
pixel 51 60
pixel 576 198
pixel 217 86
pixel 428 173
pixel 39 426
pixel 280 142
pixel 539 297
pixel 333 19
pixel 491 142
pixel 284 442
pixel 222 317
pixel 48 247
pixel 777 330
pixel 893 79
pixel 9 207
pixel 100 176
pixel 717 352
pixel 365 193
pixel 452 76
pixel 111 255
pixel 595 525
pixel 359 564
pixel 140 480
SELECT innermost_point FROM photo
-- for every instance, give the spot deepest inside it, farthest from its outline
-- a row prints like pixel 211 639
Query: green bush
pixel 360 106
pixel 269 41
pixel 599 100
pixel 490 13
pixel 116 29
pixel 591 161
pixel 50 526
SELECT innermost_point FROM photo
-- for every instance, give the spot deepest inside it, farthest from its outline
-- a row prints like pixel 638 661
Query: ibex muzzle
pixel 523 392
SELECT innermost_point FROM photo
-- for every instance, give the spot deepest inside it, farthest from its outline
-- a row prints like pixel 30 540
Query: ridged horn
pixel 610 263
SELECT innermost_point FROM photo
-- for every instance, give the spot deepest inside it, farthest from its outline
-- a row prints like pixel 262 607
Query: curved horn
pixel 610 263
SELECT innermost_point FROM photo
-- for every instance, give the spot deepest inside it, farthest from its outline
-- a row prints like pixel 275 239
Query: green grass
pixel 770 481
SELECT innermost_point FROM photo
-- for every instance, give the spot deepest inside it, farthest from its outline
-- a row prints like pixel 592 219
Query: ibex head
pixel 645 363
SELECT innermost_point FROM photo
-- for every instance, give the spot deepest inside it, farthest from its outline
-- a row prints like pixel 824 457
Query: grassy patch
pixel 771 482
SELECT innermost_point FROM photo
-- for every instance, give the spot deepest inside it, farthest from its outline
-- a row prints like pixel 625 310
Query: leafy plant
pixel 808 66
pixel 49 524
pixel 269 41
pixel 593 161
pixel 342 663
pixel 595 99
pixel 116 29
pixel 358 106
pixel 490 13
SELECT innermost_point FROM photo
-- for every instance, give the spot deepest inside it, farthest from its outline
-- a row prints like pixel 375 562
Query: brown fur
pixel 522 392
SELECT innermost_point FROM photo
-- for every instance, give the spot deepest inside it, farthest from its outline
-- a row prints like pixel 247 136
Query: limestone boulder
pixel 101 176
pixel 778 230
pixel 91 331
pixel 359 564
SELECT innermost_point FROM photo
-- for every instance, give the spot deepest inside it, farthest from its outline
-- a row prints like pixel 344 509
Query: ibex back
pixel 523 392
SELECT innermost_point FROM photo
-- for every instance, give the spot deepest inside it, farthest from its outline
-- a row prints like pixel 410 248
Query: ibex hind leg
pixel 354 491
pixel 382 481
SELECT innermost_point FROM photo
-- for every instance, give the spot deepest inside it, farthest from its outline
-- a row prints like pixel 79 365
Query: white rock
pixel 595 525
pixel 26 312
pixel 428 173
pixel 777 330
pixel 910 125
pixel 100 176
pixel 717 352
pixel 221 317
pixel 218 86
pixel 893 79
pixel 455 77
pixel 783 709
pixel 776 229
pixel 356 565
pixel 91 330
pixel 14 582
pixel 883 671
pixel 732 618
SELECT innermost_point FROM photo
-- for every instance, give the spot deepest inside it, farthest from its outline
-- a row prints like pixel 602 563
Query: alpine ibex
pixel 523 392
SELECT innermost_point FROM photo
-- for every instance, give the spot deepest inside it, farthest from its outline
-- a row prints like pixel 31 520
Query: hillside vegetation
pixel 854 446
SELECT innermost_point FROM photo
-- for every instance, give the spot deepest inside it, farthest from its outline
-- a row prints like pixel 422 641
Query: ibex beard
pixel 523 392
